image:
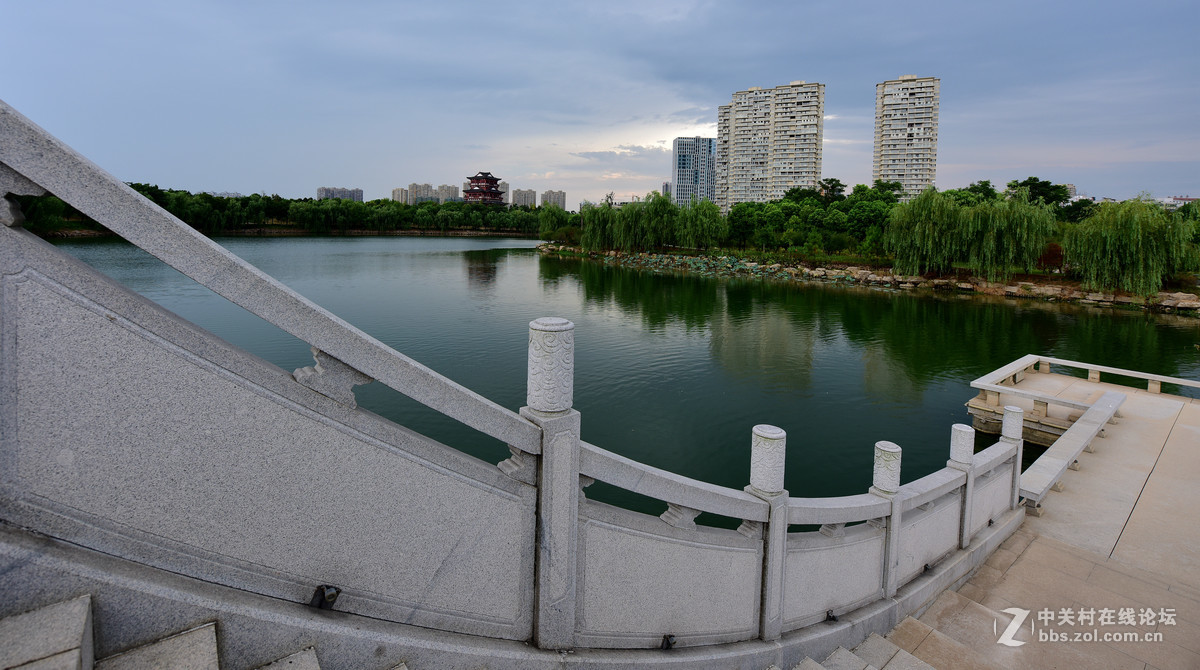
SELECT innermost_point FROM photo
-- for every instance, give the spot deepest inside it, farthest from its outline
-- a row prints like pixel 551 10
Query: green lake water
pixel 675 370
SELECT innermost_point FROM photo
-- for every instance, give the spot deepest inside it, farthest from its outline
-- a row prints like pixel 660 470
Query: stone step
pixel 978 627
pixel 935 649
pixel 54 636
pixel 879 652
pixel 195 649
pixel 808 664
pixel 305 659
pixel 844 659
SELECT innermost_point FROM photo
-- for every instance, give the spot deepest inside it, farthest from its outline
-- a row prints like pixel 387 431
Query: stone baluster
pixel 962 457
pixel 768 451
pixel 1044 367
pixel 885 483
pixel 1093 375
pixel 548 400
pixel 1012 431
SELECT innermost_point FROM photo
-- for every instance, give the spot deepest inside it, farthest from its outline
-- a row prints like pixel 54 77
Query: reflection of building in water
pixel 482 267
pixel 766 345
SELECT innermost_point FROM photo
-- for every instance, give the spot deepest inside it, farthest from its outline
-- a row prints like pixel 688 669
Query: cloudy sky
pixel 283 96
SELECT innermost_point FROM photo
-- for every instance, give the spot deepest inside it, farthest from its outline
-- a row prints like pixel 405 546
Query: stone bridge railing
pixel 128 431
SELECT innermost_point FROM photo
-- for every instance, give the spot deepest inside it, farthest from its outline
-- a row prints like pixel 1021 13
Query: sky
pixel 274 96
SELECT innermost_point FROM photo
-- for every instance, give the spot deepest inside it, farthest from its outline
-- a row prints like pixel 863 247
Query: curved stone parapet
pixel 43 160
pixel 127 432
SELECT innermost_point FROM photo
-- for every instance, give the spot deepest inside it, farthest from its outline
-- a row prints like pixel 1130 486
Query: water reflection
pixel 671 370
pixel 482 265
pixel 905 341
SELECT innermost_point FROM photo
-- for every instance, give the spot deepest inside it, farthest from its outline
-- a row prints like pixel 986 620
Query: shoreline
pixel 282 231
pixel 1062 291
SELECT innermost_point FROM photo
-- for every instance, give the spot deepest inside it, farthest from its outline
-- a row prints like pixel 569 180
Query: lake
pixel 670 370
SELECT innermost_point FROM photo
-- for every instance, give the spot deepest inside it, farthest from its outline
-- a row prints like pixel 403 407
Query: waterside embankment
pixel 1059 290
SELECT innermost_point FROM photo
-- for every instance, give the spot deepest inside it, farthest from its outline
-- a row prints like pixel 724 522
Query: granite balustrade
pixel 127 430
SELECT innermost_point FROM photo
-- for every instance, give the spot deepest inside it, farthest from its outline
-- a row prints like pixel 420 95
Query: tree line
pixel 215 215
pixel 1130 246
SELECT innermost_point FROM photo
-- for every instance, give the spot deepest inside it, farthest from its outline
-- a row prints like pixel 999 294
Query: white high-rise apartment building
pixel 769 142
pixel 693 170
pixel 505 188
pixel 556 198
pixel 400 194
pixel 906 127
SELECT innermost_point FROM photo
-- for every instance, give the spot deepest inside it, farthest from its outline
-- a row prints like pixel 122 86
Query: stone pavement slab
pixel 1163 531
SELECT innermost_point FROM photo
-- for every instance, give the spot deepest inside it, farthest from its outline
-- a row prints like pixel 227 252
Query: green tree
pixel 923 234
pixel 743 221
pixel 597 222
pixel 1077 211
pixel 832 190
pixel 659 221
pixel 997 235
pixel 1039 189
pixel 1130 246
pixel 550 219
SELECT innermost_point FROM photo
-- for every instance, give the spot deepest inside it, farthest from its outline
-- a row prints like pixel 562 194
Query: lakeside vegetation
pixel 214 215
pixel 1132 246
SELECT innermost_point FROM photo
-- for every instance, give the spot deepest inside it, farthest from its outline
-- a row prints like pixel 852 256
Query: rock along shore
pixel 730 266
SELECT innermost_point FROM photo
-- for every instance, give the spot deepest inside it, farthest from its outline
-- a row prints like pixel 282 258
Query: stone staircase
pixel 877 653
pixel 60 637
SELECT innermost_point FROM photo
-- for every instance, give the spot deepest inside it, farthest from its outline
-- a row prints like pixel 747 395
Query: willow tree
pixel 700 225
pixel 1130 246
pixel 629 229
pixel 923 234
pixel 997 235
pixel 598 222
pixel 659 220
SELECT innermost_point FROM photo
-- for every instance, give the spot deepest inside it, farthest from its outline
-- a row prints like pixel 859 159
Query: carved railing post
pixel 768 452
pixel 1012 431
pixel 549 394
pixel 962 457
pixel 885 483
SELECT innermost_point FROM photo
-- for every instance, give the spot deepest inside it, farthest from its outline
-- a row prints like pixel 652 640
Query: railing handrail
pixel 32 152
pixel 837 509
pixel 647 480
pixel 1119 371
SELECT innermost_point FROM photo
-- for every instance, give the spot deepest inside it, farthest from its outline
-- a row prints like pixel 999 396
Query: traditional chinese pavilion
pixel 484 188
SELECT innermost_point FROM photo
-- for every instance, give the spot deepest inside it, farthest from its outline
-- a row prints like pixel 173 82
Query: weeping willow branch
pixel 1130 246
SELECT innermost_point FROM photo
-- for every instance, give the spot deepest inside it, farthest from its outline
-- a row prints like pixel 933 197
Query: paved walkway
pixel 1122 537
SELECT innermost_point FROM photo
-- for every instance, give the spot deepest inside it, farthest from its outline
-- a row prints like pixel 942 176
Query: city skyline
pixel 284 97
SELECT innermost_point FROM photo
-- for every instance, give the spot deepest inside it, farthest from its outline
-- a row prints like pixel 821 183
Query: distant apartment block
pixel 418 193
pixel 556 198
pixel 326 192
pixel 666 188
pixel 524 197
pixel 400 195
pixel 447 193
pixel 507 193
pixel 768 142
pixel 906 129
pixel 693 170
